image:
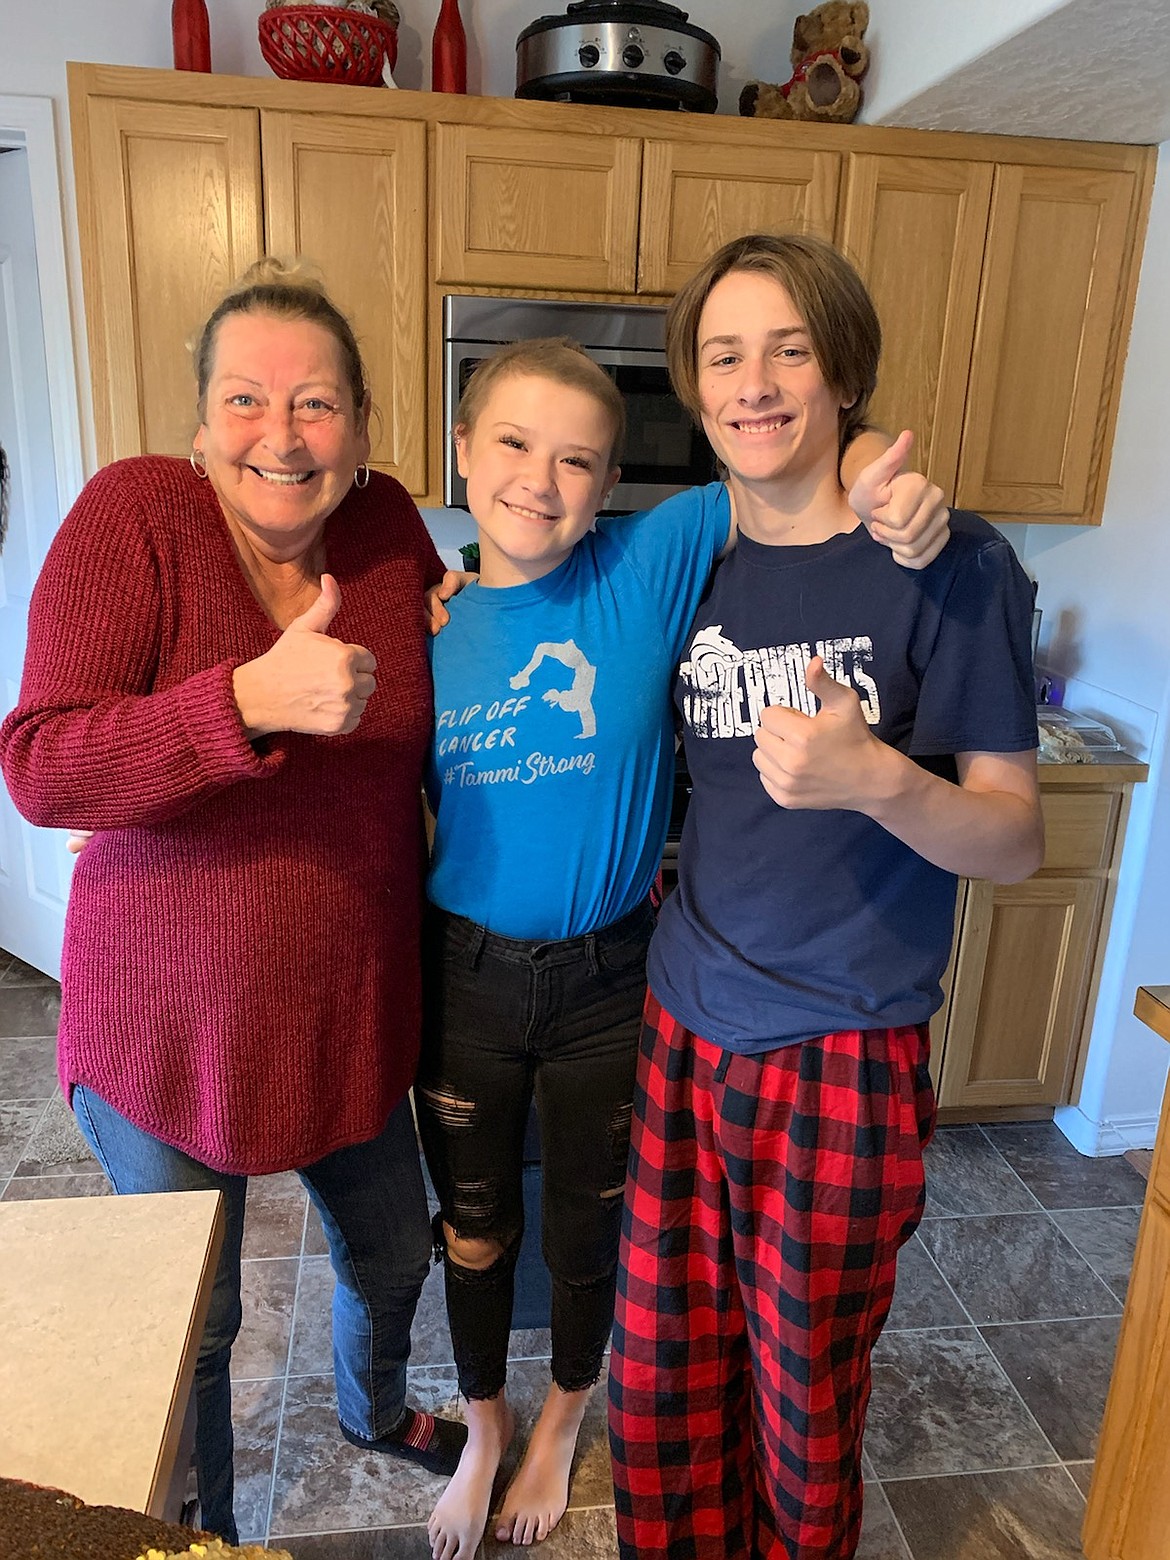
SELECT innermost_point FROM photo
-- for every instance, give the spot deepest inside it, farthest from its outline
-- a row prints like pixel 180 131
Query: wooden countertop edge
pixel 1153 1008
pixel 1125 771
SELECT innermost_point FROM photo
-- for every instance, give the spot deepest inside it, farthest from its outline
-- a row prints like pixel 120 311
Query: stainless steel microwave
pixel 664 451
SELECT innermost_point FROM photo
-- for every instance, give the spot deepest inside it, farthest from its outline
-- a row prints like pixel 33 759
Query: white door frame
pixel 28 122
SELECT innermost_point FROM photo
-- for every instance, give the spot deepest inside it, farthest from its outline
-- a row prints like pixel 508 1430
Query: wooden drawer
pixel 1079 829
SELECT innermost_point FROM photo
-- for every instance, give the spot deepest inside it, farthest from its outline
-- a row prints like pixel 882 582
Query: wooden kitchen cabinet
pixel 915 228
pixel 177 200
pixel 1004 268
pixel 352 193
pixel 169 211
pixel 697 197
pixel 516 208
pixel 1026 955
pixel 1053 271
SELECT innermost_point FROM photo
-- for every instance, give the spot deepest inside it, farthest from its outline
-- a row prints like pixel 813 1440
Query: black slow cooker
pixel 628 53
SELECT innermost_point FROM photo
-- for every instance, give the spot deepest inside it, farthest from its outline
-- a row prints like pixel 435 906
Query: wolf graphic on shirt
pixel 577 699
pixel 727 689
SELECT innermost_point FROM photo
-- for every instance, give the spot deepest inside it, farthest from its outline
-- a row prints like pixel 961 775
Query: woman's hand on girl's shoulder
pixel 435 614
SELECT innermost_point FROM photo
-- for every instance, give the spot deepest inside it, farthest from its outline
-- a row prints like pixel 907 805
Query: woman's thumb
pixel 317 618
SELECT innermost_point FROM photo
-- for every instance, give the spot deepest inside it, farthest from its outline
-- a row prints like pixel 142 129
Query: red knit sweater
pixel 240 970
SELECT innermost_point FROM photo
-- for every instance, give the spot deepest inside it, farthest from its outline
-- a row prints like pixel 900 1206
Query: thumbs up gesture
pixel 308 681
pixel 900 508
pixel 830 759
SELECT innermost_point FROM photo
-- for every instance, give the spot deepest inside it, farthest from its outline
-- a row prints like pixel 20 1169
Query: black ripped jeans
pixel 504 1018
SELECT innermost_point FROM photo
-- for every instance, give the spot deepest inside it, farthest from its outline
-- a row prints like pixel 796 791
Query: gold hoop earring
pixel 200 470
pixel 361 477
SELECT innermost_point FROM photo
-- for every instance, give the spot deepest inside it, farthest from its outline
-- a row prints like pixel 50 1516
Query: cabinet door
pixel 914 227
pixel 170 216
pixel 350 194
pixel 547 211
pixel 1045 344
pixel 695 198
pixel 1021 979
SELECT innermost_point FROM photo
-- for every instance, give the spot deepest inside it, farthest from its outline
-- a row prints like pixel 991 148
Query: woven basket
pixel 327 43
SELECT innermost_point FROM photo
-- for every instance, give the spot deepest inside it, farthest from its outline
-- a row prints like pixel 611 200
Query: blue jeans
pixel 373 1206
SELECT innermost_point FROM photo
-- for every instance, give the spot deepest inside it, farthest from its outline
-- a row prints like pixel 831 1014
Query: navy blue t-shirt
pixel 789 924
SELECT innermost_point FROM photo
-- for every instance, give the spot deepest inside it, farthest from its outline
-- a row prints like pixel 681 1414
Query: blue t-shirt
pixel 553 755
pixel 789 924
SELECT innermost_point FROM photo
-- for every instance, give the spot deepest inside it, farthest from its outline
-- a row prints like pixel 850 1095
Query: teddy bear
pixel 829 59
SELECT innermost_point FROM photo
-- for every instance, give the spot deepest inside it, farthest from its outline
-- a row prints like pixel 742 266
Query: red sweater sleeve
pixel 92 742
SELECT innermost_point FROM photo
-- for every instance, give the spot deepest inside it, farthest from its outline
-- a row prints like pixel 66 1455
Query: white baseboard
pixel 1099 1139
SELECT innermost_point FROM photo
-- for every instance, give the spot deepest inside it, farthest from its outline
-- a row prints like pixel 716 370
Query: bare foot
pixel 538 1495
pixel 460 1516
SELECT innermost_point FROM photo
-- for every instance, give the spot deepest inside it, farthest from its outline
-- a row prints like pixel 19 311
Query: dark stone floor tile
pixel 274 1216
pixel 1106 1238
pixel 965 1173
pixel 17 973
pixel 881 1537
pixel 530 1343
pixel 57 1146
pixel 30 1010
pixel 311 1353
pixel 18 1119
pixel 1060 1177
pixel 267 1291
pixel 1082 1472
pixel 1015 1267
pixel 941 1404
pixel 1024 1514
pixel 315 1243
pixel 255 1419
pixel 403 1543
pixel 430 1337
pixel 28 1068
pixel 325 1485
pixel 922 1297
pixel 34 1187
pixel 1062 1371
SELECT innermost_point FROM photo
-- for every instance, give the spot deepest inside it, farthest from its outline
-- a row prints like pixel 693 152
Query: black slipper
pixel 434 1444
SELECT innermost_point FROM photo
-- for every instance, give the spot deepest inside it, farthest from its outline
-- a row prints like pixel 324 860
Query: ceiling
pixel 1095 70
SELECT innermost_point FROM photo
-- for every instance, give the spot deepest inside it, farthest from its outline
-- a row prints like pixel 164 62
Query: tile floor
pixel 989 1383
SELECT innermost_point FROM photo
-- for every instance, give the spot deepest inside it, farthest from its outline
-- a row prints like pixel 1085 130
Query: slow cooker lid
pixel 629 13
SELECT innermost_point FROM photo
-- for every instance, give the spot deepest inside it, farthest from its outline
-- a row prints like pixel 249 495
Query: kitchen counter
pixel 1128 1516
pixel 1113 768
pixel 102 1305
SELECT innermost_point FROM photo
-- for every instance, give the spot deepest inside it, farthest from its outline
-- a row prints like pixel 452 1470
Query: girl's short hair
pixel 545 357
pixel 286 290
pixel 829 295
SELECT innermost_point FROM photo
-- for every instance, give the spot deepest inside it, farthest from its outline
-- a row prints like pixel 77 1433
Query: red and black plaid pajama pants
pixel 767 1199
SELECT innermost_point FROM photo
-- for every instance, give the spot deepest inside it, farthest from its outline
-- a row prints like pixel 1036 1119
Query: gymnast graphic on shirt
pixel 577 699
pixel 727 688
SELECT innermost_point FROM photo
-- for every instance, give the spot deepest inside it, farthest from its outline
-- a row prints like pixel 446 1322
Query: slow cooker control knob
pixel 589 54
pixel 632 56
pixel 673 62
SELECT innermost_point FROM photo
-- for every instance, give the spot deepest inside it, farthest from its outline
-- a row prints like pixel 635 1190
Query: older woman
pixel 240 971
